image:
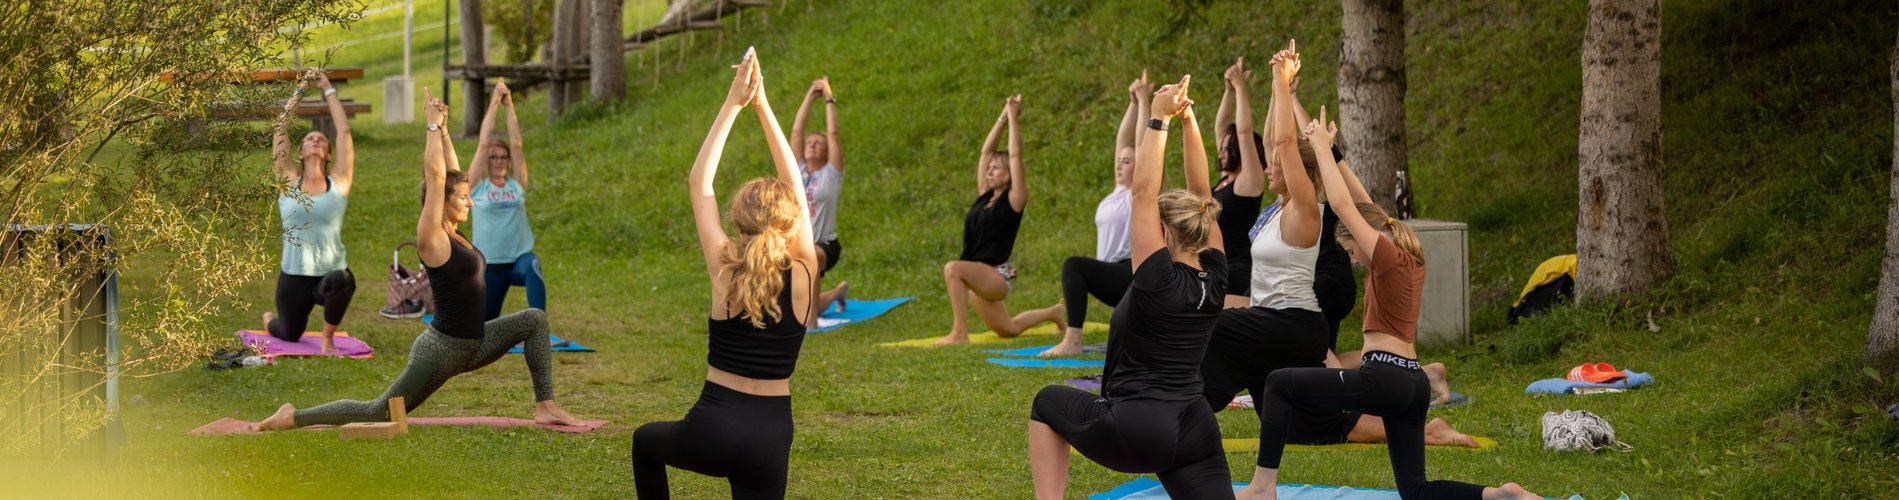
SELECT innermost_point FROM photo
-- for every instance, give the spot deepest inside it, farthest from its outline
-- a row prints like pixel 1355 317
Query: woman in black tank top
pixel 764 289
pixel 1242 182
pixel 983 274
pixel 457 341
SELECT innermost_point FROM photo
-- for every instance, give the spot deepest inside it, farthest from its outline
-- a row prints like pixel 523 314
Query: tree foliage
pixel 520 33
pixel 90 132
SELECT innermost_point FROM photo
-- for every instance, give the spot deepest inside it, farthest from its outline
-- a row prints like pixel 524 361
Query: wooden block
pixel 370 430
pixel 399 413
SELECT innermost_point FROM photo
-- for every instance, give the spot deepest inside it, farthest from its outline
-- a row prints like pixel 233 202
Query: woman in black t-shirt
pixel 983 274
pixel 1149 417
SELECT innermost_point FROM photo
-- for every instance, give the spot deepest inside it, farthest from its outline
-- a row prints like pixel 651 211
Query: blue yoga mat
pixel 1021 352
pixel 1146 488
pixel 859 311
pixel 560 344
pixel 1048 363
pixel 1564 386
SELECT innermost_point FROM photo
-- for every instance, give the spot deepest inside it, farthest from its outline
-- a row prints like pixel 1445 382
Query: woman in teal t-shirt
pixel 315 269
pixel 500 214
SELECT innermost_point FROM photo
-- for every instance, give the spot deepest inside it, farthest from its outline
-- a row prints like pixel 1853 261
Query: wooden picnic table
pixel 312 108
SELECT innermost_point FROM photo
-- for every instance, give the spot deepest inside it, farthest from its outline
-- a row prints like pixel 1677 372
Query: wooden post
pixel 399 413
pixel 474 52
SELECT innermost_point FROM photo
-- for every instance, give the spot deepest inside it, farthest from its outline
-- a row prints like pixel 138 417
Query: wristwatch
pixel 329 92
pixel 433 127
pixel 1157 124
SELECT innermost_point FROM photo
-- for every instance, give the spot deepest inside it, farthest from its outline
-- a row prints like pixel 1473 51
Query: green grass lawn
pixel 1777 162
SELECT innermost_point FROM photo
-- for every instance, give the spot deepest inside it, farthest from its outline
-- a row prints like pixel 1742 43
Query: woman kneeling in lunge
pixel 764 289
pixel 1149 417
pixel 983 274
pixel 457 341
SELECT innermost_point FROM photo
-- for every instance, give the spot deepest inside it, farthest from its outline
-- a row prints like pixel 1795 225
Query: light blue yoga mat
pixel 1564 386
pixel 1048 363
pixel 1147 488
pixel 560 344
pixel 1030 352
pixel 857 312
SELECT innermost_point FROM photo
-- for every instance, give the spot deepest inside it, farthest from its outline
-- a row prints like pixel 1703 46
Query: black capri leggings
pixel 741 437
pixel 1386 385
pixel 296 295
pixel 1178 442
pixel 1082 276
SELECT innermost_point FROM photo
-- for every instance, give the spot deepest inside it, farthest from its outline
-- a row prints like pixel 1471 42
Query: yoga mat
pixel 310 345
pixel 1048 363
pixel 990 337
pixel 230 426
pixel 1147 488
pixel 560 345
pixel 1091 383
pixel 859 311
pixel 1251 445
pixel 1561 386
pixel 1030 352
pixel 1457 399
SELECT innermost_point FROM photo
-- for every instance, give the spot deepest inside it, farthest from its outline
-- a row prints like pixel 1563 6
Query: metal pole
pixel 408 32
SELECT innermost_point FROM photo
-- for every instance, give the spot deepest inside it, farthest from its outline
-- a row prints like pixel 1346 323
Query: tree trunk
pixel 474 51
pixel 1884 337
pixel 569 42
pixel 1371 97
pixel 1621 228
pixel 608 63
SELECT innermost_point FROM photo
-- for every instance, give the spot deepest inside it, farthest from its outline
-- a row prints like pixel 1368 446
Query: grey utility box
pixel 1445 318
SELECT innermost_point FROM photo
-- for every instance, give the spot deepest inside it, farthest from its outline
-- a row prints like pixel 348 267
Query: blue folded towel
pixel 1565 386
pixel 859 311
pixel 1048 363
pixel 1146 488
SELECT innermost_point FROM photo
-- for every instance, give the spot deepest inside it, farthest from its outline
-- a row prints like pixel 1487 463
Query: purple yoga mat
pixel 310 345
pixel 1091 383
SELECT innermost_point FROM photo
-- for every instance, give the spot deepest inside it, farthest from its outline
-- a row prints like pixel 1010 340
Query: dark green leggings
pixel 436 357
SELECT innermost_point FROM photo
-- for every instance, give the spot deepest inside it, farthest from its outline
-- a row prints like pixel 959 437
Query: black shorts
pixel 832 252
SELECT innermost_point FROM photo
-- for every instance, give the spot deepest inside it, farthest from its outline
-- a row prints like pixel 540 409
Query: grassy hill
pixel 1777 156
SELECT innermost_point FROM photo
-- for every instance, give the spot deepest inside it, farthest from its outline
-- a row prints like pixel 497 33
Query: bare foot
pixel 843 289
pixel 329 346
pixel 268 317
pixel 954 338
pixel 1066 348
pixel 1440 383
pixel 550 413
pixel 1256 491
pixel 1511 491
pixel 285 419
pixel 1439 433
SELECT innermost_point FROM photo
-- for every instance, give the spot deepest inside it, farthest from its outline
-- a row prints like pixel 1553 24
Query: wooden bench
pixel 312 108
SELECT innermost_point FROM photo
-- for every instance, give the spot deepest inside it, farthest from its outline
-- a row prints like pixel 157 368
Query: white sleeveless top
pixel 1111 225
pixel 1282 273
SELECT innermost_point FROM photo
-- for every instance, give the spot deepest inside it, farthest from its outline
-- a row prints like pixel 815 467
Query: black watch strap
pixel 1157 124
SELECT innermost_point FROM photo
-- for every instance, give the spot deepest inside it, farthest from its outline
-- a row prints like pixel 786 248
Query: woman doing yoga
pixel 764 290
pixel 1388 383
pixel 1148 417
pixel 983 274
pixel 315 267
pixel 1106 276
pixel 500 174
pixel 1242 180
pixel 457 341
pixel 822 165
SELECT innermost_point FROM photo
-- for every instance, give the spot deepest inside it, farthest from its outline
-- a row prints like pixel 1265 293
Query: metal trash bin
pixel 45 419
pixel 1444 318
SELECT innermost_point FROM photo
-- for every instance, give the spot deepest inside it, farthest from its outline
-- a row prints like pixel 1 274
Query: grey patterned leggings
pixel 436 357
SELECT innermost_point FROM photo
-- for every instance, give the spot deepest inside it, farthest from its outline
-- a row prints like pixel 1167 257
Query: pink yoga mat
pixel 310 345
pixel 228 426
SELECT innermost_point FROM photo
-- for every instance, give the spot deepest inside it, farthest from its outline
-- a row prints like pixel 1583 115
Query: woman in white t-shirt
pixel 1105 276
pixel 822 164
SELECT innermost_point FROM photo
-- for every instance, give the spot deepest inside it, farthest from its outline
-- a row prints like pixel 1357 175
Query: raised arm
pixel 343 162
pixel 1223 118
pixel 782 156
pixel 1135 117
pixel 989 144
pixel 283 156
pixel 1194 168
pixel 1251 180
pixel 1320 134
pixel 830 126
pixel 431 241
pixel 478 164
pixel 1351 180
pixel 705 202
pixel 1018 180
pixel 516 151
pixel 1144 227
pixel 804 112
pixel 1302 216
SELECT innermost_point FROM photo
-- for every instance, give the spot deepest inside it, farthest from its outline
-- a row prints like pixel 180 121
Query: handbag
pixel 406 284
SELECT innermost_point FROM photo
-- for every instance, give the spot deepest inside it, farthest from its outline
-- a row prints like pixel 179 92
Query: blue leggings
pixel 525 271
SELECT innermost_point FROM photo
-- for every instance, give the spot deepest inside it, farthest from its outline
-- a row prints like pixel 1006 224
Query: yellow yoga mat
pixel 1045 329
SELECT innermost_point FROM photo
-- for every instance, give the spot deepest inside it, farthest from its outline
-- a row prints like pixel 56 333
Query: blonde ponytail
pixel 764 210
pixel 1401 233
pixel 1189 219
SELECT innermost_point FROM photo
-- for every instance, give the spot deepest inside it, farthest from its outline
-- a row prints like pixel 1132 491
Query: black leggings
pixel 296 295
pixel 1337 293
pixel 1082 276
pixel 1386 385
pixel 1178 442
pixel 1250 343
pixel 741 437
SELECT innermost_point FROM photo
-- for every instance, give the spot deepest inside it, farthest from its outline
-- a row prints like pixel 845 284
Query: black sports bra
pixel 769 353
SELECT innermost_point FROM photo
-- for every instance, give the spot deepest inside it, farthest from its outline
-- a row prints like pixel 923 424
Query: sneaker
pixel 407 309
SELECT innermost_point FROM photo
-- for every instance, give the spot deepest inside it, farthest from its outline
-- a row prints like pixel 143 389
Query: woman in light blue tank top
pixel 499 171
pixel 315 267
